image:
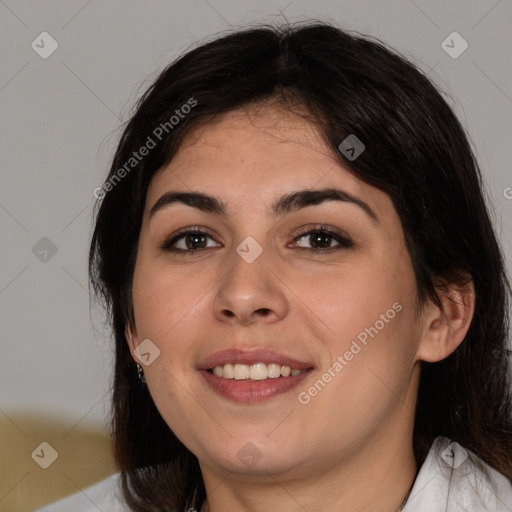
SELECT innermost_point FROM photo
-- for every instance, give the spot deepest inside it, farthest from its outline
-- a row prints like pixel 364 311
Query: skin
pixel 350 447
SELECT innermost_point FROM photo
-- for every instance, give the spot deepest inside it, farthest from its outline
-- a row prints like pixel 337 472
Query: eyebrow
pixel 285 204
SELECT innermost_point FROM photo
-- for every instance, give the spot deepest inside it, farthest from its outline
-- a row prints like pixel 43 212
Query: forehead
pixel 255 149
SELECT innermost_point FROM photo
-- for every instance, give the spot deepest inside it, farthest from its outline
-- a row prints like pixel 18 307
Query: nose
pixel 250 292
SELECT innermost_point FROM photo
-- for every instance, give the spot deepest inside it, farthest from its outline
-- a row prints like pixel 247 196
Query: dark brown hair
pixel 416 152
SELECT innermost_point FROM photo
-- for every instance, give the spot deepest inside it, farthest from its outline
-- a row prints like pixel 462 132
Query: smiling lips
pixel 252 376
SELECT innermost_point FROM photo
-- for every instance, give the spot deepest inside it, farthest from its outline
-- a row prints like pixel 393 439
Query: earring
pixel 141 374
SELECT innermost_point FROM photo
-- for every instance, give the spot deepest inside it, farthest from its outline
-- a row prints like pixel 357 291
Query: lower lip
pixel 251 391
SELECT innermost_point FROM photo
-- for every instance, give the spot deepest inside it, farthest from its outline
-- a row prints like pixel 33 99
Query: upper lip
pixel 258 355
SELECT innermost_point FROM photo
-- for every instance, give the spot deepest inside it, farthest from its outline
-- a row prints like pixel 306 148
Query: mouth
pixel 252 376
pixel 254 372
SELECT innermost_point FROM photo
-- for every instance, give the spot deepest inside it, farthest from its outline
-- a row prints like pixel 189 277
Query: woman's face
pixel 250 291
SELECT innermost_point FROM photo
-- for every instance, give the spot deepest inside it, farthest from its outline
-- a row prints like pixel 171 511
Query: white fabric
pixel 447 482
pixel 439 488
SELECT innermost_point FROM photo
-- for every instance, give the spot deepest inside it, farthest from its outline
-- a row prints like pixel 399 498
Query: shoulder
pixel 104 495
pixel 451 479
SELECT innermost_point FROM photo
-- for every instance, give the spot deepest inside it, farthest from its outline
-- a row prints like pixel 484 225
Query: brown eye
pixel 320 240
pixel 193 240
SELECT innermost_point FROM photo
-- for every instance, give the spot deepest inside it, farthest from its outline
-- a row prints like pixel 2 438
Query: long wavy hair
pixel 416 152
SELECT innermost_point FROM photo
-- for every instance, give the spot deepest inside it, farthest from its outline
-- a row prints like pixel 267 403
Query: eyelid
pixel 343 239
pixel 168 242
pixel 339 235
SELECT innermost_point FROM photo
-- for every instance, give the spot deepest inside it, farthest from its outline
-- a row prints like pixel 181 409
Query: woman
pixel 308 299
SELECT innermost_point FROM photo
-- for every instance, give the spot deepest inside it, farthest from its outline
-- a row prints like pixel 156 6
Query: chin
pixel 253 458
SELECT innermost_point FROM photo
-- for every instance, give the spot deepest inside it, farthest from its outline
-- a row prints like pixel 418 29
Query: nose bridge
pixel 249 286
pixel 246 277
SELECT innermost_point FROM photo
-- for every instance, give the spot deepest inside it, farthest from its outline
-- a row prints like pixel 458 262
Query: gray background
pixel 60 120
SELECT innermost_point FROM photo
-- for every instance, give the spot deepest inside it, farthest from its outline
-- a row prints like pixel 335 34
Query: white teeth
pixel 258 371
pixel 285 371
pixel 241 372
pixel 274 371
pixel 228 371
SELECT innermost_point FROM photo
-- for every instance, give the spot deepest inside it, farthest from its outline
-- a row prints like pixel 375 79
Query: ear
pixel 444 329
pixel 132 339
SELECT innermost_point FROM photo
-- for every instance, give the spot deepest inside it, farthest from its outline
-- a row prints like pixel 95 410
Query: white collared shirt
pixel 448 481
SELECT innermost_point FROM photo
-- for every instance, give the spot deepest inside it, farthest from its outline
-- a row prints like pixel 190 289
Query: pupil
pixel 317 239
pixel 194 239
pixel 320 236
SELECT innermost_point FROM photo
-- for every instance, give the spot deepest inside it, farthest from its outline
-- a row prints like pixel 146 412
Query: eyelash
pixel 345 242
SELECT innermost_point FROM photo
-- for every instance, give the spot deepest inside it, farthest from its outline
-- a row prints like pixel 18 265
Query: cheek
pixel 167 309
pixel 351 299
pixel 371 335
pixel 164 299
pixel 366 380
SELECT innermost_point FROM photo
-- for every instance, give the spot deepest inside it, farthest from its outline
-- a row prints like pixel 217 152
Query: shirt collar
pixel 450 481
